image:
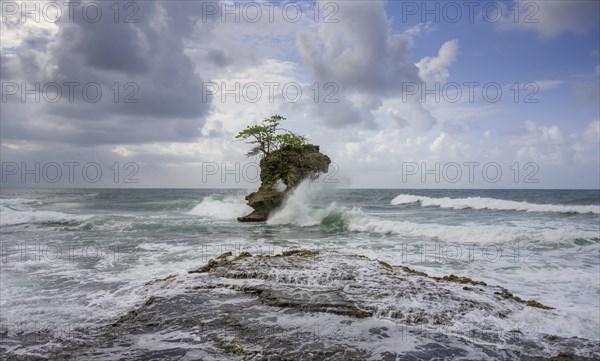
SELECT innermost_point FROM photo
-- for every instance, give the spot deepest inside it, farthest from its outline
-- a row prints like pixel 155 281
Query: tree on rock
pixel 266 139
pixel 285 158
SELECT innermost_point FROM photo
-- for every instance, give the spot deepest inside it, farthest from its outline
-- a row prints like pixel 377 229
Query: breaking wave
pixel 492 204
pixel 221 207
pixel 11 217
pixel 299 210
pixel 356 220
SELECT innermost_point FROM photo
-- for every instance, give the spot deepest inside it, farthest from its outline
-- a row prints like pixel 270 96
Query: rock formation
pixel 281 171
pixel 307 305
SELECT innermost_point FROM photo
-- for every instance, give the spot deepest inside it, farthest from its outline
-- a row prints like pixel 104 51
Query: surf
pixel 481 203
pixel 220 207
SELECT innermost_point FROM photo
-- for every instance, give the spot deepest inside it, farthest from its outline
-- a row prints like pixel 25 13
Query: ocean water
pixel 79 258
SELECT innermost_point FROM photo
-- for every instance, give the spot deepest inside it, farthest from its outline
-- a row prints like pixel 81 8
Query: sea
pixel 74 259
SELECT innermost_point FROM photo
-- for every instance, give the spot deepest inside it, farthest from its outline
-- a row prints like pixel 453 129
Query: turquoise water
pixel 78 258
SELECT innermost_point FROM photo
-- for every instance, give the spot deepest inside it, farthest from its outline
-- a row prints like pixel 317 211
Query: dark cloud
pixel 218 57
pixel 151 90
pixel 362 56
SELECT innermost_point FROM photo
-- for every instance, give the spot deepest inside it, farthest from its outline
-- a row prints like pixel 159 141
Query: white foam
pixel 227 208
pixel 9 216
pixel 356 220
pixel 492 203
pixel 19 201
pixel 297 209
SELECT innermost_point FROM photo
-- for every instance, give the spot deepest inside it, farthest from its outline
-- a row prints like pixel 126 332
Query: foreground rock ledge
pixel 309 306
pixel 280 173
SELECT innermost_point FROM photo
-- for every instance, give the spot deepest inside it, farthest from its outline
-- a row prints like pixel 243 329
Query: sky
pixel 399 94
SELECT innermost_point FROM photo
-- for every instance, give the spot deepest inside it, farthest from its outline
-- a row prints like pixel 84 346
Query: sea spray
pixel 221 207
pixel 302 208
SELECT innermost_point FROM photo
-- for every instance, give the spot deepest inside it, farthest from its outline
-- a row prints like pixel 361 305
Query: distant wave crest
pixel 493 204
pixel 11 217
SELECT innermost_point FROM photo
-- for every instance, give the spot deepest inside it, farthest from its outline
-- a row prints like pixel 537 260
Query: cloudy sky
pixel 400 94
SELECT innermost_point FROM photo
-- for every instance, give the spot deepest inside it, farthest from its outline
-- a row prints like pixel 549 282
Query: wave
pixel 356 220
pixel 492 204
pixel 298 211
pixel 218 206
pixel 21 202
pixel 11 217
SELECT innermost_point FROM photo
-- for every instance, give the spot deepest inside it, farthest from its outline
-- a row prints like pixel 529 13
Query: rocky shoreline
pixel 302 305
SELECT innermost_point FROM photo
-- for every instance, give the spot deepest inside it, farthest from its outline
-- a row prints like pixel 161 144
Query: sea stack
pixel 281 171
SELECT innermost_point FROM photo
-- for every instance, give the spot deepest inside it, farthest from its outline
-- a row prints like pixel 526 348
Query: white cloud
pixel 435 69
pixel 546 144
pixel 365 59
pixel 421 29
pixel 16 32
pixel 437 144
pixel 445 147
pixel 548 84
pixel 122 151
pixel 543 134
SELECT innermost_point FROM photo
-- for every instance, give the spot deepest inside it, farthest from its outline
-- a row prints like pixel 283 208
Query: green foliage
pixel 266 137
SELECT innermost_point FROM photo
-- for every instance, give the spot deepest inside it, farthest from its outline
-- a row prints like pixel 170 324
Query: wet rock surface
pixel 308 306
